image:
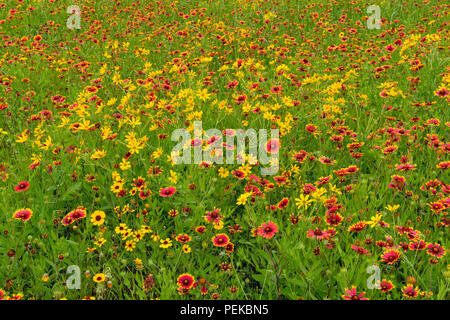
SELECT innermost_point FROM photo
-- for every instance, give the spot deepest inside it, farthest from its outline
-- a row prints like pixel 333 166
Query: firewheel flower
pixel 23 214
pixel 273 145
pixel 213 216
pixel 185 281
pixel 317 233
pixel 267 230
pixel 385 285
pixel 74 215
pixel 357 227
pixel 361 250
pixel 220 240
pixel 436 250
pixel 390 256
pixel 283 203
pixel 22 186
pixel 351 294
pixel 167 192
pixel 409 291
pixel 202 283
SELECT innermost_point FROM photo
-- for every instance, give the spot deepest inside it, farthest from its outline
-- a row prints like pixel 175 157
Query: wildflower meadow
pixel 224 150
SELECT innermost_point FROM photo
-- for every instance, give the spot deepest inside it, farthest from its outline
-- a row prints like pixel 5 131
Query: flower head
pixel 167 192
pixel 185 281
pixel 220 240
pixel 410 292
pixel 98 218
pixel 390 256
pixel 22 186
pixel 385 285
pixel 436 250
pixel 273 145
pixel 267 230
pixel 351 294
pixel 166 243
pixel 99 277
pixel 23 214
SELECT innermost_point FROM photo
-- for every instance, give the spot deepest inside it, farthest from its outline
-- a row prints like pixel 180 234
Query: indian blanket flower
pixel 185 281
pixel 317 234
pixel 273 145
pixel 357 227
pixel 417 245
pixel 183 238
pixel 385 285
pixel 398 183
pixel 167 192
pixel 15 296
pixel 213 216
pixel 220 240
pixel 74 215
pixel 443 165
pixel 202 283
pixel 229 247
pixel 200 229
pixel 149 283
pixel 361 250
pixel 22 186
pixel 283 203
pixel 436 250
pixel 351 294
pixel 410 292
pixel 267 230
pixel 173 212
pixel 238 174
pixel 390 256
pixel 23 214
pixel 333 219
